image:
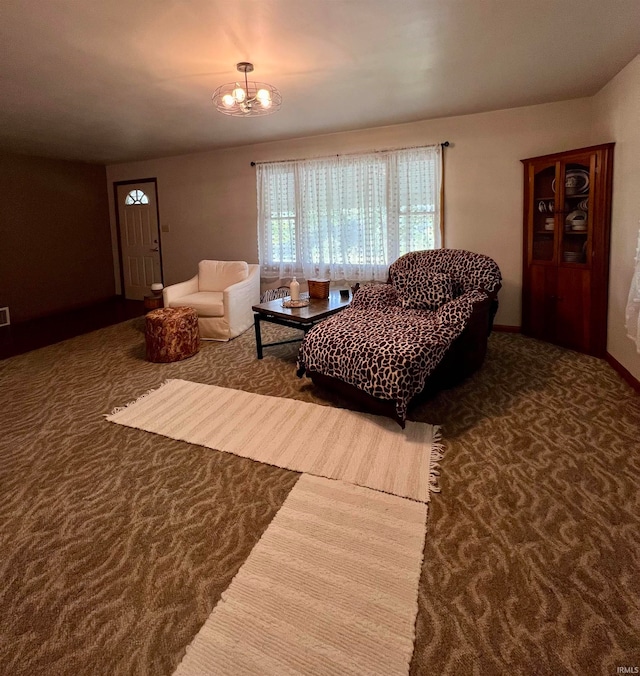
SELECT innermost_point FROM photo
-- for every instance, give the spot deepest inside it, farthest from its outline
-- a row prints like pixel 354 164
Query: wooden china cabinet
pixel 567 217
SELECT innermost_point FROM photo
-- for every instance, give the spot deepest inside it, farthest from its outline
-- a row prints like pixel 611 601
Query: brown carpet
pixel 115 544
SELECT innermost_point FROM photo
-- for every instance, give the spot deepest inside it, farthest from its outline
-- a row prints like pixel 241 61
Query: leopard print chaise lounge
pixel 393 336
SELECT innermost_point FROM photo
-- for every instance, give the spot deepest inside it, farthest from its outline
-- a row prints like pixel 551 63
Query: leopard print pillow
pixel 375 297
pixel 423 289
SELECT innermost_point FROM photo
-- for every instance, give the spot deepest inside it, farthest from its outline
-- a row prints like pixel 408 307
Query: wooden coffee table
pixel 304 318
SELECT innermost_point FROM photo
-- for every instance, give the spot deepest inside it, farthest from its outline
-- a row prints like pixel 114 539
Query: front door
pixel 139 238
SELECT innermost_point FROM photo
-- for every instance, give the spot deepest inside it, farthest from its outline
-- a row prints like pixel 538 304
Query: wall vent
pixel 4 316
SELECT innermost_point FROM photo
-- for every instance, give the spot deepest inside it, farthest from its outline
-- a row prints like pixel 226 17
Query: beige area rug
pixel 329 590
pixel 358 448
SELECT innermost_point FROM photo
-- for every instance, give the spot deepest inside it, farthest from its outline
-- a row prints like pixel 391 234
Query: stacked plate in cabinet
pixel 577 220
pixel 576 182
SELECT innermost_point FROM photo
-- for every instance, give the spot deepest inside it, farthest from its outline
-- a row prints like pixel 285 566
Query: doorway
pixel 138 237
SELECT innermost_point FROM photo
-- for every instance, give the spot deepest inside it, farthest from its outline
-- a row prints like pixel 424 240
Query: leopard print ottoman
pixel 171 334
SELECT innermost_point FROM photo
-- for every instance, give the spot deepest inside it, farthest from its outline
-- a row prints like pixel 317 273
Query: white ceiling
pixel 118 80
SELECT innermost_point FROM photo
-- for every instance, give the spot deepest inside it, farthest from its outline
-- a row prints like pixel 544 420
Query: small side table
pixel 153 302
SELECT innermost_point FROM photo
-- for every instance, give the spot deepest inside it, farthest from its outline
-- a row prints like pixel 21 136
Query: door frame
pixel 116 184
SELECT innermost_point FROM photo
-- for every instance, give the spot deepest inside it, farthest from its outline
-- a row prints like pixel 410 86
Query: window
pixel 347 217
pixel 136 197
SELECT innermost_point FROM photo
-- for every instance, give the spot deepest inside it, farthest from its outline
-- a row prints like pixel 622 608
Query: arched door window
pixel 136 197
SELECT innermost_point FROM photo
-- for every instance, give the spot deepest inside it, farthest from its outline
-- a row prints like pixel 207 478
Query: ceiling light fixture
pixel 246 99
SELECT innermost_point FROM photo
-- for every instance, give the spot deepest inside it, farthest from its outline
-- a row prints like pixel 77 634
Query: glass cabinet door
pixel 576 222
pixel 566 234
pixel 543 218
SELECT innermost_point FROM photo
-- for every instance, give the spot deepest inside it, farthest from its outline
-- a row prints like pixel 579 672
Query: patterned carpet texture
pixel 116 544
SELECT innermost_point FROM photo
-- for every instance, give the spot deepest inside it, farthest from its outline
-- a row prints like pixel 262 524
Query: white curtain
pixel 348 217
pixel 632 314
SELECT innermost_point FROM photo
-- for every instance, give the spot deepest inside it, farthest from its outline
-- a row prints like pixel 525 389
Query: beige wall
pixel 208 200
pixel 617 118
pixel 54 236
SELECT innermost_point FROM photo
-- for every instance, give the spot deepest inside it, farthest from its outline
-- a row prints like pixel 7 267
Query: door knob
pixel 156 249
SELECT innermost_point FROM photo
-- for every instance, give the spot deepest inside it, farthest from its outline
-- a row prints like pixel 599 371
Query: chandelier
pixel 246 99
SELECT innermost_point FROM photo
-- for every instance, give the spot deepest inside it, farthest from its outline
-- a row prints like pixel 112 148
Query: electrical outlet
pixel 165 227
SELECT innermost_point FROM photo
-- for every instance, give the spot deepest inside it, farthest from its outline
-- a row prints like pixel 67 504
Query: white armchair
pixel 222 294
